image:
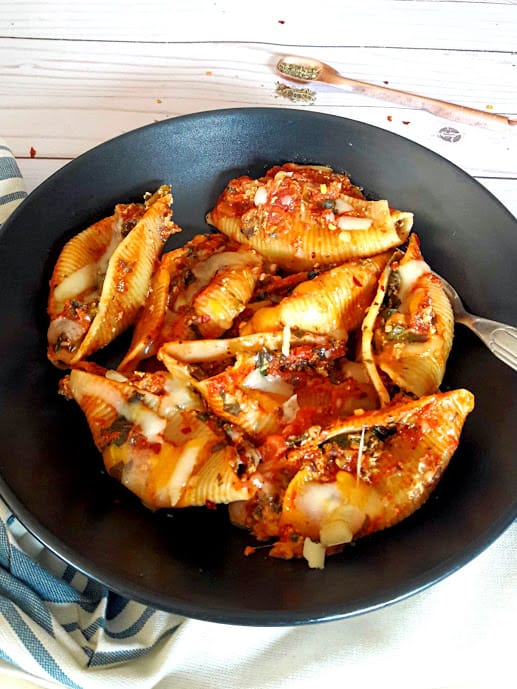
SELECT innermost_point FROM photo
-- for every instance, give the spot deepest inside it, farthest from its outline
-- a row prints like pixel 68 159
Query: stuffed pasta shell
pixel 102 277
pixel 408 330
pixel 302 216
pixel 197 292
pixel 156 437
pixel 331 304
pixel 359 476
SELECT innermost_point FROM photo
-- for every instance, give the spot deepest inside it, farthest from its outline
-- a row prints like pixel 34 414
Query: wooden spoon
pixel 304 69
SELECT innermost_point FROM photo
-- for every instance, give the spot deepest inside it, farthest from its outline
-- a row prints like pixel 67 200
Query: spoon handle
pixel 501 339
pixel 449 111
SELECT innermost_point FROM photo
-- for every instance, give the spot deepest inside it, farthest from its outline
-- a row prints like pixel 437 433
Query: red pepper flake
pixel 406 122
pixel 390 118
pixel 249 550
pixel 186 430
pixel 385 82
pixel 32 152
pixel 210 505
pixel 281 21
pixel 357 282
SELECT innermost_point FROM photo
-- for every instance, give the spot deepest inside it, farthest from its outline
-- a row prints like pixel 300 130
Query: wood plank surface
pixel 73 75
pixel 405 23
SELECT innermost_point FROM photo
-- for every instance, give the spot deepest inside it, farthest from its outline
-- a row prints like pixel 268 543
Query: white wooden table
pixel 74 74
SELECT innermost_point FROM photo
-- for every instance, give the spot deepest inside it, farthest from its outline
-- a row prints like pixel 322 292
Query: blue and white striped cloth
pixel 60 629
pixel 12 189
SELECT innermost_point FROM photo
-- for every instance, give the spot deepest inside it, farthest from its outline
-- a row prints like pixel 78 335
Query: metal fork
pixel 500 338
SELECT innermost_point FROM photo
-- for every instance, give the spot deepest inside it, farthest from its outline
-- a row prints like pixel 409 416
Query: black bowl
pixel 191 562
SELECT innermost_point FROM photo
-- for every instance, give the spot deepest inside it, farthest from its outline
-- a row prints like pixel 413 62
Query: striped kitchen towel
pixel 57 625
pixel 12 190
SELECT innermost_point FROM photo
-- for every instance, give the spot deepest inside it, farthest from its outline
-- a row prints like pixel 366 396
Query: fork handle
pixel 501 339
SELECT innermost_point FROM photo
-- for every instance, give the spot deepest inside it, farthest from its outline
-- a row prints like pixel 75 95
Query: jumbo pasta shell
pixel 410 326
pixel 369 472
pixel 95 323
pixel 84 258
pixel 412 443
pixel 196 351
pixel 221 290
pixel 302 216
pixel 256 412
pixel 331 304
pixel 215 482
pixel 148 328
pixel 152 445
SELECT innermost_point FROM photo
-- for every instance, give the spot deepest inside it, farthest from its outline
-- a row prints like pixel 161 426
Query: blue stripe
pixel 68 574
pixel 9 169
pixel 93 627
pixel 5 546
pixel 15 195
pixel 134 628
pixel 34 645
pixel 116 604
pixel 26 600
pixel 49 587
pixel 89 631
pixel 71 626
pixel 111 657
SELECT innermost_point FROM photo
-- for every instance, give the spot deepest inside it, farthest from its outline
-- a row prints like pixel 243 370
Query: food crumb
pixel 32 152
pixel 295 95
pixel 281 21
pixel 406 122
pixel 249 550
pixel 390 118
pixel 489 107
pixel 158 100
pixel 386 82
pixel 208 73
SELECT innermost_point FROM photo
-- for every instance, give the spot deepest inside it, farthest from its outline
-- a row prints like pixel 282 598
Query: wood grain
pixel 73 75
pixel 446 24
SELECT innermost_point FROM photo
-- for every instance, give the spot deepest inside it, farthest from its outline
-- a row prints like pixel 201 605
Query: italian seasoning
pixel 295 95
pixel 304 72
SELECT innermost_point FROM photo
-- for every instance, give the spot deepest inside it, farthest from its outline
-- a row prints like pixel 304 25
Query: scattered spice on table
pixel 295 95
pixel 32 152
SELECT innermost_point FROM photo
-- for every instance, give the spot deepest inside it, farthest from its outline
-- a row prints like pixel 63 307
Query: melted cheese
pixel 204 271
pixel 88 277
pixel 409 273
pixel 274 385
pixel 151 425
pixel 79 281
